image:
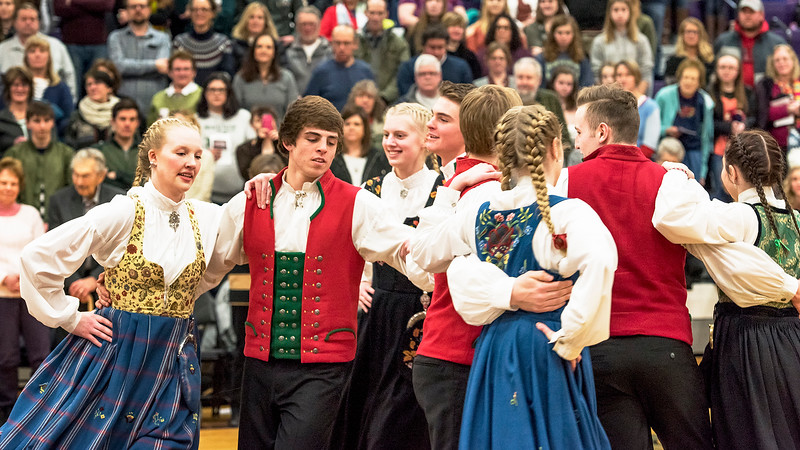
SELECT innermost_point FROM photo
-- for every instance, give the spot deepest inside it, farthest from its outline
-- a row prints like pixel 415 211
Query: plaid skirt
pixel 130 392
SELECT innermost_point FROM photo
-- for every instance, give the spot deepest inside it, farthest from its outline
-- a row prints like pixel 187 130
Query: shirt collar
pixel 751 196
pixel 160 200
pixel 190 88
pixel 449 169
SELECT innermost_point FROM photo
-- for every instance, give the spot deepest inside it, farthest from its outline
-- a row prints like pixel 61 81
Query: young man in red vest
pixel 443 360
pixel 306 252
pixel 645 374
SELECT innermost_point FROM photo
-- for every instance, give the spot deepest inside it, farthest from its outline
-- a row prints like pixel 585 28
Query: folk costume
pixel 755 348
pixel 519 381
pixel 379 409
pixel 442 364
pixel 645 373
pixel 143 388
pixel 306 254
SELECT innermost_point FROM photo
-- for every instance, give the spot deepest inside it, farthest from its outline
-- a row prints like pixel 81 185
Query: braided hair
pixel 758 156
pixel 522 138
pixel 154 138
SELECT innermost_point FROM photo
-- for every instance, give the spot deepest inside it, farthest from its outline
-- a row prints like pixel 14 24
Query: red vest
pixel 331 276
pixel 649 293
pixel 445 335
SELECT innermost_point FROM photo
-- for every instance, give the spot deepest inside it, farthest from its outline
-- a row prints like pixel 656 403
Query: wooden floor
pixel 215 433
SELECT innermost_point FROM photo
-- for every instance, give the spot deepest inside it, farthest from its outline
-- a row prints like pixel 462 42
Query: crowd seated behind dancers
pixel 235 69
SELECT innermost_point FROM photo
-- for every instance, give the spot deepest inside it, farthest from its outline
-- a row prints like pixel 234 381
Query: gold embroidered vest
pixel 137 285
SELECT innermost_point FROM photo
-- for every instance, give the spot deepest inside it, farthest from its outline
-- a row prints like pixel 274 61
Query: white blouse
pixel 18 230
pixel 104 232
pixel 481 291
pixel 685 215
pixel 375 237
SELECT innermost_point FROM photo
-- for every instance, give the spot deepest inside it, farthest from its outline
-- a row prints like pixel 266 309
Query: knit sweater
pixel 212 52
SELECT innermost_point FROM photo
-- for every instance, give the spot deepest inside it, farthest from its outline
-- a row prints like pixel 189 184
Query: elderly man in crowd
pixel 309 49
pixel 527 82
pixel 427 78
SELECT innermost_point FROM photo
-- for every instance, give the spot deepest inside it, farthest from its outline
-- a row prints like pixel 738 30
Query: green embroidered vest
pixel 137 285
pixel 784 253
pixel 287 306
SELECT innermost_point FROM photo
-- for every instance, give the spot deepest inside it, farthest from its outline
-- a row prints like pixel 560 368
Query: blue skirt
pixel 127 393
pixel 521 394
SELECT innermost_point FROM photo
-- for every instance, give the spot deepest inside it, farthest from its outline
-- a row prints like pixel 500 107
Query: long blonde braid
pixel 154 138
pixel 523 135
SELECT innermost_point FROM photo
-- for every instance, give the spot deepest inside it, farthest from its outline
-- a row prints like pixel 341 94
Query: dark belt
pixel 731 309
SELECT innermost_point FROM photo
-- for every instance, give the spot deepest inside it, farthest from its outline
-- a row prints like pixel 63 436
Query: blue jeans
pixel 83 57
pixel 694 161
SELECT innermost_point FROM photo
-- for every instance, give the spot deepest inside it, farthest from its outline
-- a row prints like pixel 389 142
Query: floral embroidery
pixel 137 285
pixel 157 419
pixel 100 414
pixel 498 233
pixel 514 400
pixel 129 417
pixel 42 388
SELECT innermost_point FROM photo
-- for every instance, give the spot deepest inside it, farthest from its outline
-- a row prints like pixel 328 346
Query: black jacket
pixel 9 130
pixel 377 165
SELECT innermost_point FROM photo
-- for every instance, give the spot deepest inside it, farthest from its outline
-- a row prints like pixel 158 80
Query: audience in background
pixel 223 127
pixel 211 51
pixel 621 40
pixel 121 148
pixel 17 95
pixel 563 47
pixel 536 33
pixel 262 81
pixel 628 76
pixel 47 84
pixel 687 113
pixel 309 50
pixel 692 42
pixel 182 94
pixel 141 54
pixel 778 95
pixel 382 49
pixel 359 160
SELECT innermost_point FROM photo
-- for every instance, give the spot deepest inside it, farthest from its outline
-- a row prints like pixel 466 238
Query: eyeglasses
pixel 427 74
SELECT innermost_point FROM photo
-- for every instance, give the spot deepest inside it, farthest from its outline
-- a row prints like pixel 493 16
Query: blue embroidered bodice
pixel 504 238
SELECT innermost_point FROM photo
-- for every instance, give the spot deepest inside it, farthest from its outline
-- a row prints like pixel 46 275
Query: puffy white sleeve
pixel 684 214
pixel 592 253
pixel 229 246
pixel 481 291
pixel 721 235
pixel 50 259
pixel 375 236
pixel 434 244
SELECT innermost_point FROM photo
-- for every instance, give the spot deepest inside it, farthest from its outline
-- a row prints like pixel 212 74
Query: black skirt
pixel 379 409
pixel 753 376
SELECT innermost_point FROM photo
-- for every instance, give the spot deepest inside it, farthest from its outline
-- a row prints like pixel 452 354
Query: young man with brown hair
pixel 306 253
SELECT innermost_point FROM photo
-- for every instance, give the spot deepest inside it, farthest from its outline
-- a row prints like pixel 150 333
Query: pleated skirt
pixel 379 409
pixel 125 394
pixel 753 377
pixel 521 394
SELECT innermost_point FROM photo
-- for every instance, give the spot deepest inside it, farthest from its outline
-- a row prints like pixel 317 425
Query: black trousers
pixel 645 382
pixel 440 387
pixel 289 405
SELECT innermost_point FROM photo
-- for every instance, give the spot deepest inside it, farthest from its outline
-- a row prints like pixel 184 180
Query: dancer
pixel 754 353
pixel 518 380
pixel 380 407
pixel 306 254
pixel 442 364
pixel 127 376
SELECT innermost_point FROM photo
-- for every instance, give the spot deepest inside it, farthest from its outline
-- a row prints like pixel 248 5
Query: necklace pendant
pixel 403 193
pixel 174 220
pixel 425 299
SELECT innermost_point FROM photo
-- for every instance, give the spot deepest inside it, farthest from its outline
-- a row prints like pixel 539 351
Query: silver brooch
pixel 403 193
pixel 174 220
pixel 299 196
